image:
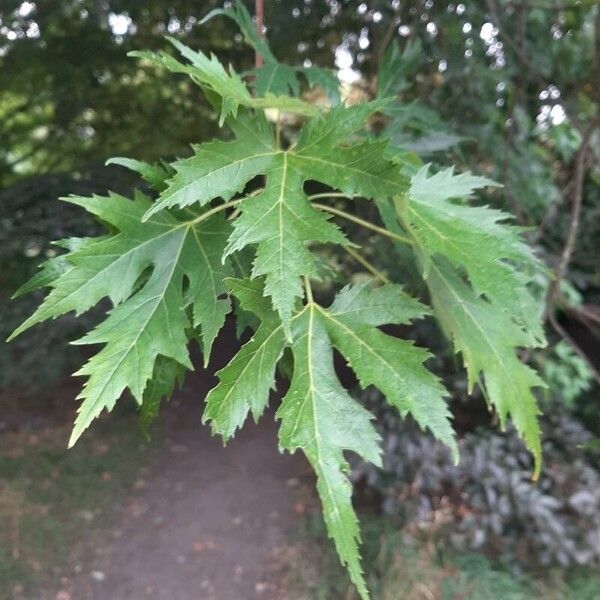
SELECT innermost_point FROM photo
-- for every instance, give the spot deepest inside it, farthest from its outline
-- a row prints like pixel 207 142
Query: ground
pixel 180 517
pixel 205 522
pixel 193 521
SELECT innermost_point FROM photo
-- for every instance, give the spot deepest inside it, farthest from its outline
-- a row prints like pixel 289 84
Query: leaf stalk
pixel 363 223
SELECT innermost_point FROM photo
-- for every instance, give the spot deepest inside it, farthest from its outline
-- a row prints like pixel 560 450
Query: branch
pixel 567 337
pixel 578 177
pixel 366 264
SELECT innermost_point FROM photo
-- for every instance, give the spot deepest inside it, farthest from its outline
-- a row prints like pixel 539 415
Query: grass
pixel 400 566
pixel 52 500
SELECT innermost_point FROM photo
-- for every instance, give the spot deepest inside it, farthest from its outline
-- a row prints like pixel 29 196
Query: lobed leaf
pixel 321 419
pixel 488 340
pixel 155 174
pixel 220 169
pixel 281 220
pixel 474 238
pixel 141 268
pixel 393 365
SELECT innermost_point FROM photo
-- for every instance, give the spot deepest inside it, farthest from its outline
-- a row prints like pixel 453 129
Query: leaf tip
pixel 75 435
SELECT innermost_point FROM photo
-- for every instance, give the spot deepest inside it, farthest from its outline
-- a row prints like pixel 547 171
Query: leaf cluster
pixel 213 240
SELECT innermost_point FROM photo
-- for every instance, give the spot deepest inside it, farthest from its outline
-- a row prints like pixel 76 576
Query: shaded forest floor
pixel 180 517
pixel 177 518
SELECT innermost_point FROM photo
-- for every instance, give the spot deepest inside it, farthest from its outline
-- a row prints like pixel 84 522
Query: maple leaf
pixel 244 384
pixel 221 169
pixel 165 267
pixel 393 365
pixel 280 220
pixel 321 419
pixel 214 78
pixel 474 238
pixel 357 168
pixel 488 340
pixel 490 321
pixel 275 77
pixel 147 319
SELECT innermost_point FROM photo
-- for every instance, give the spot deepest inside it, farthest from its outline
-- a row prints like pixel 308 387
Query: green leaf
pixel 165 267
pixel 214 78
pixel 326 79
pixel 488 340
pixel 250 293
pixel 393 365
pixel 474 238
pixel 397 68
pixel 358 168
pixel 276 78
pixel 332 128
pixel 53 268
pixel 281 220
pixel 245 383
pixel 167 374
pixel 321 419
pixel 239 13
pixel 148 319
pixel 273 76
pixel 220 169
pixel 280 79
pixel 155 174
pixel 389 304
pixel 247 288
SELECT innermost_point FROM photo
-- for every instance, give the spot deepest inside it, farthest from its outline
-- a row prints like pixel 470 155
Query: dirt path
pixel 204 522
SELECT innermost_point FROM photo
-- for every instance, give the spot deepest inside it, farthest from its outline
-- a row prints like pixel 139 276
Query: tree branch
pixel 567 337
pixel 577 195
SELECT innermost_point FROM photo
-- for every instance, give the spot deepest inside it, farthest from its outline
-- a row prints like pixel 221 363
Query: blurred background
pixel 509 89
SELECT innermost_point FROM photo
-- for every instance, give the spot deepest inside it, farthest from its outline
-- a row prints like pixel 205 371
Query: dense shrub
pixel 489 501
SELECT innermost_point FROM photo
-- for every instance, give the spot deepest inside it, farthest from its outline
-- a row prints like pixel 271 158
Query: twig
pixel 578 177
pixel 259 11
pixel 211 212
pixel 567 337
pixel 366 264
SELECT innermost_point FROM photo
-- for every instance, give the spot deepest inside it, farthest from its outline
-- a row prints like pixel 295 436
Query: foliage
pixel 414 564
pixel 166 265
pixel 488 503
pixel 567 372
